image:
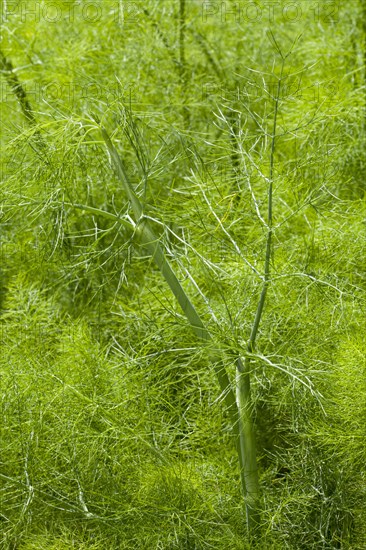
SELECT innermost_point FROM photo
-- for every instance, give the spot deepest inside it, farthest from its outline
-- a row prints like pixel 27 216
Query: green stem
pixel 6 67
pixel 182 25
pixel 363 15
pixel 161 36
pixel 244 398
pixel 152 243
pixel 267 261
pixel 182 59
pixel 99 212
pixel 248 448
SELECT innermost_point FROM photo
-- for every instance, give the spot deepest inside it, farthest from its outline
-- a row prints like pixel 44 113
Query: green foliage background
pixel 113 432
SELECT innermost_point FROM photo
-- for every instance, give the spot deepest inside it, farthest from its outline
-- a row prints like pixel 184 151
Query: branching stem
pixel 243 389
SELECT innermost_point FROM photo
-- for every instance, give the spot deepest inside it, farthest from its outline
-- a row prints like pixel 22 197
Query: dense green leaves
pixel 114 431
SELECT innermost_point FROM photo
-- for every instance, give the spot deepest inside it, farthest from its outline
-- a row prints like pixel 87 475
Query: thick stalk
pixel 241 407
pixel 248 448
pixel 243 391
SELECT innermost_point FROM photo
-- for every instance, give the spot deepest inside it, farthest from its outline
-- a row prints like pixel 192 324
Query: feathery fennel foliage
pixel 114 432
